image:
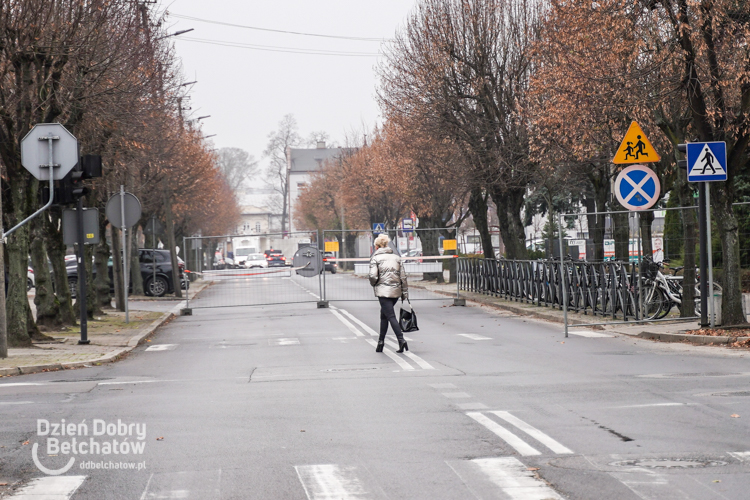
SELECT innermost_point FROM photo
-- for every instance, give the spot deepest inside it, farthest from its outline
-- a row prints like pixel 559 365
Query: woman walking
pixel 388 279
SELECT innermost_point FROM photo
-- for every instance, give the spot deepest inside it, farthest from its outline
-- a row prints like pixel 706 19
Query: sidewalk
pixel 665 331
pixel 146 315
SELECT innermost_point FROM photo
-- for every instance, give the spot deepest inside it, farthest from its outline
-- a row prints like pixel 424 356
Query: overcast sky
pixel 247 91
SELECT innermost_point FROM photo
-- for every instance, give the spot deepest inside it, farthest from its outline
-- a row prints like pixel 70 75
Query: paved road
pixel 292 402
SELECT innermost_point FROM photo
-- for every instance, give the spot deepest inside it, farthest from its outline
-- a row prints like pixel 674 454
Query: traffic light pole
pixel 81 298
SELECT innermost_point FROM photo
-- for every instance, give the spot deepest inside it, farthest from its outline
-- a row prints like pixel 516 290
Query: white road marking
pixel 652 405
pixel 419 361
pixel 403 364
pixel 123 382
pixel 589 333
pixel 347 323
pixel 651 485
pixel 287 341
pixel 443 386
pixel 456 395
pixel 517 443
pixel 22 384
pixel 474 336
pixel 483 476
pixel 50 488
pixel 360 323
pixel 16 402
pixel 533 432
pixel 472 406
pixel 204 484
pixel 161 347
pixel 331 482
pixel 743 456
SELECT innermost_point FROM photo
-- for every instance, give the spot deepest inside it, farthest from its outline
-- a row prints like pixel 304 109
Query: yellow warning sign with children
pixel 636 148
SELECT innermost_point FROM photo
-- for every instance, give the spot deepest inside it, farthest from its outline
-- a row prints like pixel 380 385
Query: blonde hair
pixel 382 240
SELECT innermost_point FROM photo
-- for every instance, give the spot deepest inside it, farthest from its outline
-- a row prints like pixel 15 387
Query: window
pixel 301 185
pixel 257 227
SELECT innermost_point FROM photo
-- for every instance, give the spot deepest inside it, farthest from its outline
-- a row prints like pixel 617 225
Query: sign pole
pixel 709 253
pixel 82 275
pixel 563 272
pixel 126 275
pixel 703 245
pixel 637 217
pixel 153 245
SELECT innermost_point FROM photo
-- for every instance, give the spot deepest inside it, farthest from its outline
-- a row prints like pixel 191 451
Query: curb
pixel 681 337
pixel 111 357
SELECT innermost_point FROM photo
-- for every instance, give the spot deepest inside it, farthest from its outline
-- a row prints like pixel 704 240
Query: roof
pixel 312 159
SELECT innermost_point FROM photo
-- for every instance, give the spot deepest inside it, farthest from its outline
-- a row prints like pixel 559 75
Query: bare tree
pixel 277 175
pixel 237 166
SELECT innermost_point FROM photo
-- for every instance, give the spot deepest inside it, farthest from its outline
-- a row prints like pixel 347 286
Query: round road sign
pixel 637 187
pixel 35 151
pixel 132 210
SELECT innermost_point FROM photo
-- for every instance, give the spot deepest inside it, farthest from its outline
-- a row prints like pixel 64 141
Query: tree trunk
pixel 690 230
pixel 600 182
pixel 135 262
pixel 101 295
pixel 117 268
pixel 430 238
pixel 478 209
pixel 92 307
pixel 17 299
pixel 646 219
pixel 351 249
pixel 621 230
pixel 509 203
pixel 171 244
pixel 450 264
pixel 47 304
pixel 56 253
pixel 726 223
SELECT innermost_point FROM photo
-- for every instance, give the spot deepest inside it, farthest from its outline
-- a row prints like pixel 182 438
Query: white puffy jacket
pixel 387 275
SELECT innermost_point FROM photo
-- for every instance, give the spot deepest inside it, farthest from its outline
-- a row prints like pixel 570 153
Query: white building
pixel 301 164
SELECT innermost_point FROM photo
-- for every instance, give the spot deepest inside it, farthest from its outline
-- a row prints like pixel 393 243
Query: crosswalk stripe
pixel 50 488
pixel 419 361
pixel 743 456
pixel 161 347
pixel 332 482
pixel 589 333
pixel 533 432
pixel 519 444
pixel 347 323
pixel 360 323
pixel 474 336
pixel 203 485
pixel 484 476
pixel 403 364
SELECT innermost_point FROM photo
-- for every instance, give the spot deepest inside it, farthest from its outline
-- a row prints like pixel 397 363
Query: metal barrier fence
pixel 603 289
pixel 251 278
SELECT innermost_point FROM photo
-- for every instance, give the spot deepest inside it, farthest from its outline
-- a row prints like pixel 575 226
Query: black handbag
pixel 407 319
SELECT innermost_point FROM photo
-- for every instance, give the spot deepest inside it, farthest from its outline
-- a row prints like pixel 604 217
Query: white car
pixel 256 260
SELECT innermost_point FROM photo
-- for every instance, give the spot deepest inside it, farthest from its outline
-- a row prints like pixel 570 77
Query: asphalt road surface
pixel 287 401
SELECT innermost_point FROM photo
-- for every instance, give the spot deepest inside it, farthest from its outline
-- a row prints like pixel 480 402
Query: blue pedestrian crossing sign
pixel 378 227
pixel 707 161
pixel 637 187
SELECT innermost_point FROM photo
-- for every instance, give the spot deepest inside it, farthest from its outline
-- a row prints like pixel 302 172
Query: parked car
pixel 30 282
pixel 331 267
pixel 255 260
pixel 154 286
pixel 221 262
pixel 275 258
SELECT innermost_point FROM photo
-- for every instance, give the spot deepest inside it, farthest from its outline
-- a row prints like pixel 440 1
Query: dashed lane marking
pixel 517 443
pixel 456 395
pixel 287 341
pixel 533 432
pixel 474 336
pixel 161 347
pixel 403 364
pixel 50 488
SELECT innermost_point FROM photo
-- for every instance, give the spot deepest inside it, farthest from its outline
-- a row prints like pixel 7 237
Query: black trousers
pixel 388 315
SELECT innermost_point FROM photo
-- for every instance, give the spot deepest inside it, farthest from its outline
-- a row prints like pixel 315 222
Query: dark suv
pixel 159 286
pixel 275 258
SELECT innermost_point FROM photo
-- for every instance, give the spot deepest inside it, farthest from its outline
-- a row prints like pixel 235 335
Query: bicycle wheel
pixel 654 301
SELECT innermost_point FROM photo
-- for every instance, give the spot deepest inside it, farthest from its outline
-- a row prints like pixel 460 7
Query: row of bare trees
pixel 106 70
pixel 520 105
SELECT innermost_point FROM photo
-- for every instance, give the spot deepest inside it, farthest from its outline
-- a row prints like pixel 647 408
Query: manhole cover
pixel 350 369
pixel 669 463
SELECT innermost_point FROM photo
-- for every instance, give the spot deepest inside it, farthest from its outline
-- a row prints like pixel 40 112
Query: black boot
pixel 402 346
pixel 379 348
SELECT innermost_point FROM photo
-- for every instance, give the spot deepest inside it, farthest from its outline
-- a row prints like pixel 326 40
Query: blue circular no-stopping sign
pixel 637 187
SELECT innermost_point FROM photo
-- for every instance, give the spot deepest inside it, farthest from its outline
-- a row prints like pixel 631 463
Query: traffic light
pixel 682 148
pixel 63 192
pixel 70 188
pixel 77 189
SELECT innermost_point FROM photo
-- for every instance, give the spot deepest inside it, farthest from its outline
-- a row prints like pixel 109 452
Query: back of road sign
pixel 707 161
pixel 635 147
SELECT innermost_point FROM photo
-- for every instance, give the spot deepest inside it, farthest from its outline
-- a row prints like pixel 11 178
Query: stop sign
pixel 35 151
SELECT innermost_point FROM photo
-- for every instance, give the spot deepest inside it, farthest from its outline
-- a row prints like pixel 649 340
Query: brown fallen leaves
pixel 734 415
pixel 160 438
